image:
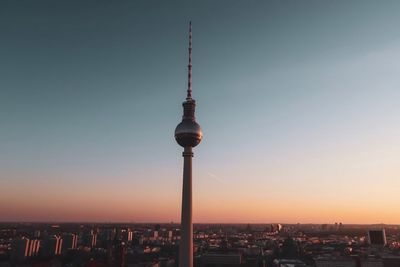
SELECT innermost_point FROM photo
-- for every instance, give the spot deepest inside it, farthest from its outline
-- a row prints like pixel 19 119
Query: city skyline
pixel 299 99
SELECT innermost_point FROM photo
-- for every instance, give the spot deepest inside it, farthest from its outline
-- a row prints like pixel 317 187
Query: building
pixel 288 263
pixel 52 246
pixel 70 242
pixel 371 263
pixel 218 259
pixel 90 239
pixel 377 237
pixel 335 262
pixel 22 248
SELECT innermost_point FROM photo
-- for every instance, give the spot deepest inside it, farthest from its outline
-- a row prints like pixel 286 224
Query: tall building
pixel 127 235
pixel 377 237
pixel 51 246
pixel 33 247
pixel 70 242
pixel 90 238
pixel 18 249
pixel 93 239
pixel 23 248
pixel 188 134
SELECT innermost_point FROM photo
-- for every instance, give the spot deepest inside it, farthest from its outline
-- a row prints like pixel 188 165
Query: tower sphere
pixel 188 133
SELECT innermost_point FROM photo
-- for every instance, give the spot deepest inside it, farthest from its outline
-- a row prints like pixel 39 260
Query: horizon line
pixel 176 223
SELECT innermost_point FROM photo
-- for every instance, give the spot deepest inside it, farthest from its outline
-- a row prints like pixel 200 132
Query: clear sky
pixel 299 102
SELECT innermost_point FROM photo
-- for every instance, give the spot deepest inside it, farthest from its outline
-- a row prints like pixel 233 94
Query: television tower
pixel 188 134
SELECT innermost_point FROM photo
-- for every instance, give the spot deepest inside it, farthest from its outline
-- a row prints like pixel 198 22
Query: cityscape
pixel 275 245
pixel 298 164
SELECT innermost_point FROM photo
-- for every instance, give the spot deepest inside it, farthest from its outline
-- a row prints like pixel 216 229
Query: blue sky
pixel 298 101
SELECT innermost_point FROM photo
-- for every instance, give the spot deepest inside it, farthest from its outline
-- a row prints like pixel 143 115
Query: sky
pixel 298 102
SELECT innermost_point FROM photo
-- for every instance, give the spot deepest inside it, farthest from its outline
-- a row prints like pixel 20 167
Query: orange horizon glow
pixel 162 209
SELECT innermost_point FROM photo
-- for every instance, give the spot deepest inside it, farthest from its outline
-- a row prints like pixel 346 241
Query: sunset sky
pixel 299 102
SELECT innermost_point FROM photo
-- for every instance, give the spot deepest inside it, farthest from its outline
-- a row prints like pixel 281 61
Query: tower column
pixel 186 242
pixel 188 134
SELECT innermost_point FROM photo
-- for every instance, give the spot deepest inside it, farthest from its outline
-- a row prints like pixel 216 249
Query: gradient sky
pixel 299 102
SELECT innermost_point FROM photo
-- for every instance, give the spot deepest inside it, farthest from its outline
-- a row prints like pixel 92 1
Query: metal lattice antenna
pixel 189 90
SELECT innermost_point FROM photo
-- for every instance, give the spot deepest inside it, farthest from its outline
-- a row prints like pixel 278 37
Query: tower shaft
pixel 186 242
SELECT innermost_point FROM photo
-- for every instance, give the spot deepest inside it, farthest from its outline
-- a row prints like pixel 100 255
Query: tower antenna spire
pixel 189 90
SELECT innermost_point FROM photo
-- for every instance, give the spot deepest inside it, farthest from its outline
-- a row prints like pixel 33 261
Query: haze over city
pixel 298 102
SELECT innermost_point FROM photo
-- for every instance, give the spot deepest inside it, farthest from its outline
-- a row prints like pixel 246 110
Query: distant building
pixel 70 242
pixel 93 239
pixel 150 234
pixel 377 237
pixel 110 234
pixel 127 235
pixel 166 234
pixel 288 263
pixel 51 246
pixel 90 239
pixel 18 248
pixel 33 248
pixel 23 248
pixel 228 259
pixel 335 262
pixel 37 233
